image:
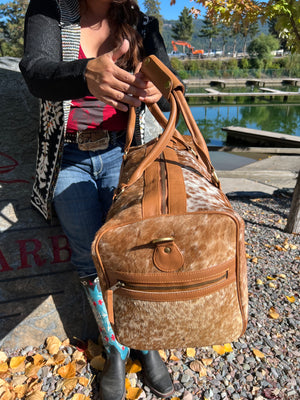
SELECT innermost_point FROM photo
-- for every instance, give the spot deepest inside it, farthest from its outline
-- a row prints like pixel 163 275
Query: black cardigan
pixel 50 78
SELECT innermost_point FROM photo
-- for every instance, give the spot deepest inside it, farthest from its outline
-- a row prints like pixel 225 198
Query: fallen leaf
pixel 133 366
pixel 207 361
pixel 191 352
pixel 279 248
pixel 273 313
pixel 3 357
pixel 53 344
pixel 38 395
pixel 272 285
pixel 3 367
pixel 69 385
pixel 247 255
pixel 173 357
pixel 258 353
pixel 78 356
pixel 133 393
pixel 254 260
pixel 31 370
pixel 17 363
pixel 38 359
pixel 79 396
pixel 293 247
pixel 219 349
pixel 163 355
pixel 291 299
pixel 20 390
pixel 67 371
pixel 283 276
pixel 59 358
pixel 259 282
pixel 98 362
pixel 271 278
pixel 127 383
pixel 228 348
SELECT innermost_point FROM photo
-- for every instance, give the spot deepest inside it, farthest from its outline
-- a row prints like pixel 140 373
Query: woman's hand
pixel 113 85
pixel 153 94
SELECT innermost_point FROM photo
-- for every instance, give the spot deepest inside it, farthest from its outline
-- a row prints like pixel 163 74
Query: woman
pixel 79 58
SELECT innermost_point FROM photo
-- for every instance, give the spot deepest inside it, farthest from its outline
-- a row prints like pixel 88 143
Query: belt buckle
pixel 93 141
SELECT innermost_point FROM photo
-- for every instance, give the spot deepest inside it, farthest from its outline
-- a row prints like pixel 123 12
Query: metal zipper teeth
pixel 195 286
pixel 163 184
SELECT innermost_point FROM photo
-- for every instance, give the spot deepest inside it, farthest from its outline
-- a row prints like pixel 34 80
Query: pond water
pixel 281 118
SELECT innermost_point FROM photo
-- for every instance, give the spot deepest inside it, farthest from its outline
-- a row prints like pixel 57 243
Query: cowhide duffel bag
pixel 170 256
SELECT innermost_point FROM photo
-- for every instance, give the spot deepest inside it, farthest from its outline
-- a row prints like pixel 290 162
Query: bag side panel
pixel 213 319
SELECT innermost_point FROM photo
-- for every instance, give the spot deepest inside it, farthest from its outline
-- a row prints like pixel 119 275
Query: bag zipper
pixel 191 287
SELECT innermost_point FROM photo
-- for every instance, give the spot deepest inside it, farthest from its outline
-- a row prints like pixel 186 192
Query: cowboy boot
pixel 155 372
pixel 112 380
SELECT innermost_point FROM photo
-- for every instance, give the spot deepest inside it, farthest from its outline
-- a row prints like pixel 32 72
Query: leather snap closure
pixel 167 250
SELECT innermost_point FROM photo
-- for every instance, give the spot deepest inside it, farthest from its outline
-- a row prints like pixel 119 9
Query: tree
pixel 12 15
pixel 286 12
pixel 183 29
pixel 262 46
pixel 152 7
pixel 210 31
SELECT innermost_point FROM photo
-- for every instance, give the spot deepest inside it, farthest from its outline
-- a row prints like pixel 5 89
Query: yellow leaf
pixel 207 361
pixel 293 247
pixel 83 381
pixel 273 313
pixel 228 348
pixel 173 357
pixel 259 282
pixel 272 285
pixel 79 396
pixel 78 356
pixel 17 362
pixel 133 393
pixel 279 248
pixel 38 359
pixel 3 357
pixel 132 367
pixel 254 260
pixel 67 371
pixel 20 391
pixel 31 370
pixel 98 362
pixel 59 358
pixel 163 355
pixel 219 349
pixel 258 353
pixel 38 395
pixel 247 255
pixel 3 367
pixel 271 278
pixel 283 276
pixel 191 352
pixel 127 383
pixel 291 299
pixel 69 385
pixel 53 344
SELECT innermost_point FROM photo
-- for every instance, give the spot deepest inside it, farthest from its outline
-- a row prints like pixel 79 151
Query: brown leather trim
pixel 164 286
pixel 176 186
pixel 151 203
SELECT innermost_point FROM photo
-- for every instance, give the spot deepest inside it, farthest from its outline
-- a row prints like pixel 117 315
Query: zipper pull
pixel 109 295
pixel 116 286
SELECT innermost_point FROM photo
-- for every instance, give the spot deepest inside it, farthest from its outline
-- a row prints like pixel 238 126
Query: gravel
pixel 273 327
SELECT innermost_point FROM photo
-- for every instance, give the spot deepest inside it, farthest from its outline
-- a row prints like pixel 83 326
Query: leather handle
pixel 158 148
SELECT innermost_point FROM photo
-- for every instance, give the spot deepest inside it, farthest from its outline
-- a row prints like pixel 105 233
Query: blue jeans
pixel 83 195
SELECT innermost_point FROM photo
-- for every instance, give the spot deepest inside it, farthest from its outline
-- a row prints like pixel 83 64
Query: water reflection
pixel 279 118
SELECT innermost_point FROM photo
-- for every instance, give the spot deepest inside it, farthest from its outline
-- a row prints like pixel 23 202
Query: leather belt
pixel 94 139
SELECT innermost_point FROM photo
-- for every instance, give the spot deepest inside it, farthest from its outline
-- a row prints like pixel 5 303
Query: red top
pixel 91 113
